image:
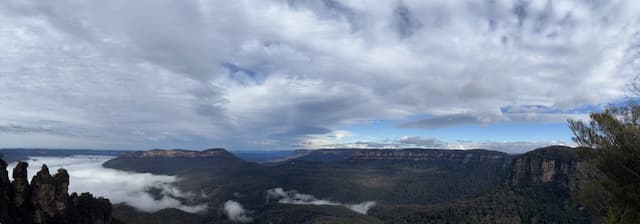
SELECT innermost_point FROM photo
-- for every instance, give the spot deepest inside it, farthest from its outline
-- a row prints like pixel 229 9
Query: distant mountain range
pixel 175 161
pixel 408 185
pixel 405 186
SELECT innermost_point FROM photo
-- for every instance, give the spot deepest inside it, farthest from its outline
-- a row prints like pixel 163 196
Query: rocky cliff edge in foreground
pixel 45 200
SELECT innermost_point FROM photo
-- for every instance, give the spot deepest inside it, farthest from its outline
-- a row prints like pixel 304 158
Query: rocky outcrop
pixel 84 209
pixel 46 200
pixel 20 207
pixel 6 193
pixel 555 164
pixel 541 187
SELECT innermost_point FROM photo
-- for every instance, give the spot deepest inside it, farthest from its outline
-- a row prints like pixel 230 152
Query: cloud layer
pixel 235 212
pixel 265 74
pixel 513 147
pixel 86 174
pixel 295 198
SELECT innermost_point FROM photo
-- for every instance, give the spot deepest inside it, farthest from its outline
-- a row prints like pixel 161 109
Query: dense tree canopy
pixel 612 144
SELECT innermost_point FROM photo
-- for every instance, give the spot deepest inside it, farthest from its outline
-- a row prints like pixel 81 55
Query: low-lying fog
pixel 237 213
pixel 87 175
pixel 295 198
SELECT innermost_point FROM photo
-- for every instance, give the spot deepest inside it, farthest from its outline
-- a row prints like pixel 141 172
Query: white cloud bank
pixel 86 174
pixel 295 198
pixel 513 147
pixel 236 212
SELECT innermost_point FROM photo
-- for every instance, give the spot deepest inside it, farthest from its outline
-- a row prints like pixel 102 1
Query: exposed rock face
pixel 541 187
pixel 21 209
pixel 85 209
pixel 552 164
pixel 46 199
pixel 6 193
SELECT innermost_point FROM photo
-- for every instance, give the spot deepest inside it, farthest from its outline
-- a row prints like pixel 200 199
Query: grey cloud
pixel 442 121
pixel 512 147
pixel 514 115
pixel 291 137
pixel 325 9
pixel 161 68
pixel 369 145
pixel 520 11
pixel 308 131
pixel 165 32
pixel 18 129
pixel 421 142
pixel 405 23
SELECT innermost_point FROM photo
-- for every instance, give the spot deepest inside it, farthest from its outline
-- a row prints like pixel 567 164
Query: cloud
pixel 339 134
pixel 295 198
pixel 442 121
pixel 87 175
pixel 363 207
pixel 406 23
pixel 271 73
pixel 356 144
pixel 236 212
pixel 510 115
pixel 20 129
pixel 513 147
pixel 421 142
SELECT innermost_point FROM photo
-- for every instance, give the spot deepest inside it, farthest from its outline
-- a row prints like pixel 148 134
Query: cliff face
pixel 6 192
pixel 540 187
pixel 554 164
pixel 46 200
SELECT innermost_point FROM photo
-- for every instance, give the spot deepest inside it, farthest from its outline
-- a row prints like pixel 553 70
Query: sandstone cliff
pixel 540 187
pixel 46 200
pixel 554 164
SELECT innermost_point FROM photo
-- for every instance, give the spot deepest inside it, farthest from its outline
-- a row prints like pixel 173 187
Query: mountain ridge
pixel 534 191
pixel 410 185
pixel 174 161
pixel 340 154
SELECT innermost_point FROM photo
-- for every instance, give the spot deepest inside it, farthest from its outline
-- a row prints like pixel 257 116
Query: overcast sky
pixel 283 74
